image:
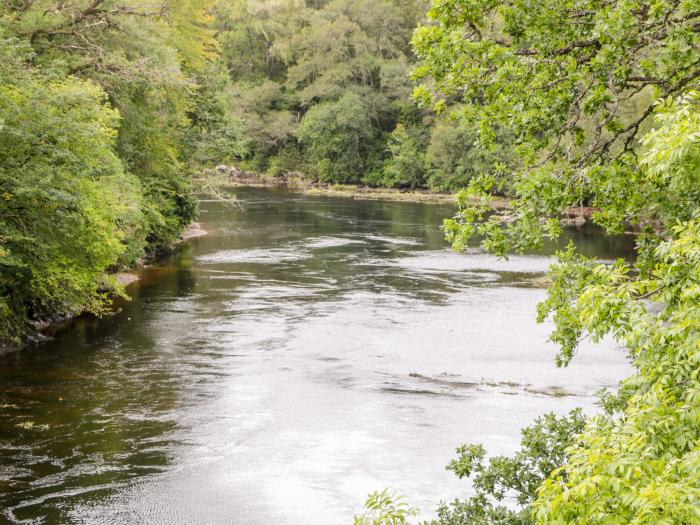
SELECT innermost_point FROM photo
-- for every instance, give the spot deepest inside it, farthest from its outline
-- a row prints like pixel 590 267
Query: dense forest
pixel 109 107
pixel 323 89
pixel 104 107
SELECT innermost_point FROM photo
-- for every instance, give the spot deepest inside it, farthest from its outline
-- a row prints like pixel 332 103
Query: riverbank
pixel 224 176
pixel 232 177
pixel 576 217
pixel 352 191
pixel 193 231
pixel 123 278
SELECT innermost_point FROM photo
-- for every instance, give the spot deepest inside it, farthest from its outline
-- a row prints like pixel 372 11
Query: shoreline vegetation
pixel 124 279
pixel 128 277
pixel 106 111
pixel 231 177
pixel 298 183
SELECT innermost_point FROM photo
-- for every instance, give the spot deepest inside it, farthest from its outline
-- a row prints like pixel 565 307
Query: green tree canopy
pixel 103 108
pixel 575 83
pixel 339 137
pixel 66 203
pixel 600 99
pixel 288 58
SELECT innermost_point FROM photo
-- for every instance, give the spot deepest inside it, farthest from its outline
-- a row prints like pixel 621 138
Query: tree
pixel 454 156
pixel 543 449
pixel 145 57
pixel 68 210
pixel 406 164
pixel 288 58
pixel 338 137
pixel 102 115
pixel 576 83
pixel 640 461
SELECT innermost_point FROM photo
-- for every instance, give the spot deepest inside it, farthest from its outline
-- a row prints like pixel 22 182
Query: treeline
pixel 105 107
pixel 322 88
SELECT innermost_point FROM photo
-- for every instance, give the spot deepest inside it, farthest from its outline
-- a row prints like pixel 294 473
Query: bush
pixel 68 210
pixel 406 165
pixel 453 156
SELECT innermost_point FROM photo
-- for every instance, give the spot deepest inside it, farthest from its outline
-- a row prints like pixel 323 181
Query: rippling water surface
pixel 308 351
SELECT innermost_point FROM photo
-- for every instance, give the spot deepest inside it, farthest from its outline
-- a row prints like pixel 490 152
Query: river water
pixel 308 351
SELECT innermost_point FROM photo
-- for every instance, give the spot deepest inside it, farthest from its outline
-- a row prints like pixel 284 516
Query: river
pixel 309 350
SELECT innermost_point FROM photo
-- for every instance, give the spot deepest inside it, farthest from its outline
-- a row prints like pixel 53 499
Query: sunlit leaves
pixel 640 462
pixel 385 508
pixel 97 109
pixel 70 208
pixel 502 479
pixel 574 83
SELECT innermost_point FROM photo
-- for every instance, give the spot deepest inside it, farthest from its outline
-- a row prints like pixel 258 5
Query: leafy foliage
pixel 576 84
pixel 322 88
pixel 454 155
pixel 505 487
pixel 406 166
pixel 338 138
pixel 639 462
pixel 67 204
pixel 385 508
pixel 543 449
pixel 104 110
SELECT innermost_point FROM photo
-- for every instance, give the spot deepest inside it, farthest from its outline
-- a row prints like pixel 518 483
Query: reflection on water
pixel 306 352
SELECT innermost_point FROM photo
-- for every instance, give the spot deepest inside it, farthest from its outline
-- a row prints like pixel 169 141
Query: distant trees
pixel 338 139
pixel 323 88
pixel 406 165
